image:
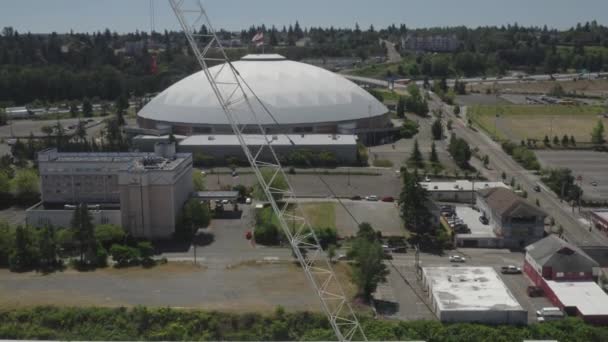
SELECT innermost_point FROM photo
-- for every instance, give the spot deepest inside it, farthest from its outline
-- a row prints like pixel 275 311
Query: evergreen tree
pixel 433 158
pixel 565 140
pixel 73 109
pixel 401 107
pixel 48 248
pixel 413 200
pixel 597 135
pixel 23 256
pixel 84 231
pixel 416 157
pixel 437 129
pixel 87 108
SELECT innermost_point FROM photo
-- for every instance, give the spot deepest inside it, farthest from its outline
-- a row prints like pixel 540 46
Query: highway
pixel 575 230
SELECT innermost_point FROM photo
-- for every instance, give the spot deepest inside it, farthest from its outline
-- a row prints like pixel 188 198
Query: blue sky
pixel 128 15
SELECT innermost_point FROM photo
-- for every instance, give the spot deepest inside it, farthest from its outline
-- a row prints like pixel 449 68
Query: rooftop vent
pixel 211 137
pixel 274 137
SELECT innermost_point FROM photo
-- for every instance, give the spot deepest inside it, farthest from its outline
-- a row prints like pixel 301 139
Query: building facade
pixel 517 222
pixel 566 273
pixel 460 191
pixel 146 190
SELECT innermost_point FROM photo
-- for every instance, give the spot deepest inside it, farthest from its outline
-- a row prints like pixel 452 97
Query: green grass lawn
pixel 520 122
pixel 318 214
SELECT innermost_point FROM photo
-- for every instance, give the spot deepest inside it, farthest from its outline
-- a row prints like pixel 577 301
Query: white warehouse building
pixel 303 99
pixel 471 294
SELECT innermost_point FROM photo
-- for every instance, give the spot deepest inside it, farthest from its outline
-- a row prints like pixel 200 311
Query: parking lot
pixel 380 182
pixel 413 301
pixel 590 165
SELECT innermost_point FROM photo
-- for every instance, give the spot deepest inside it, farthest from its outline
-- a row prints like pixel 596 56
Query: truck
pixel 510 269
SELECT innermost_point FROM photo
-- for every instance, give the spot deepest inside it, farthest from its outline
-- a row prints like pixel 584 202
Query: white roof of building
pixel 277 140
pixel 294 93
pixel 601 213
pixel 586 296
pixel 469 289
pixel 462 185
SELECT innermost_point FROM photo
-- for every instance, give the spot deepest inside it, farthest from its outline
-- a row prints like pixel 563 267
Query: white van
pixel 549 314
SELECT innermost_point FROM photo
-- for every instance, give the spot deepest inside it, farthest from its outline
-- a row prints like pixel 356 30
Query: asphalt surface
pixel 413 301
pixel 574 229
pixel 590 165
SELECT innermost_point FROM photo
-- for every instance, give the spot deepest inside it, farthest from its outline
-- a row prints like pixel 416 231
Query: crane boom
pixel 232 92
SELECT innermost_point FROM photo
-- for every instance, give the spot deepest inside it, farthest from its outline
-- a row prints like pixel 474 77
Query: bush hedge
pixel 140 323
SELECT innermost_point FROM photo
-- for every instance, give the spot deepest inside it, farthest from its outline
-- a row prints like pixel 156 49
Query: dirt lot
pixel 249 287
pixel 517 122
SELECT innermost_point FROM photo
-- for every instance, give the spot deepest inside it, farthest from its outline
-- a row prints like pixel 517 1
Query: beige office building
pixel 142 192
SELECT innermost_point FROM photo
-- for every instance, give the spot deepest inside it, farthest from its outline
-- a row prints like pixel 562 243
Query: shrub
pixel 109 233
pixel 409 129
pixel 327 236
pixel 124 255
pixel 382 163
pixel 266 234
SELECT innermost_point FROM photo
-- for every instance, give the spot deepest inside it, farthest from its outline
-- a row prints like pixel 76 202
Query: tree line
pixel 141 323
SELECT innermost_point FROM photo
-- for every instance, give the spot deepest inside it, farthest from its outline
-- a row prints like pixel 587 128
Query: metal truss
pixel 238 102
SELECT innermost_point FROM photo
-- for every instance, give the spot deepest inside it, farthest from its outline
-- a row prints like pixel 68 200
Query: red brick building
pixel 566 273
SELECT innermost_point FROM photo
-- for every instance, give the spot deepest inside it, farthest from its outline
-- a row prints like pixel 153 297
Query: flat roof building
pixel 471 294
pixel 148 189
pixel 458 191
pixel 342 146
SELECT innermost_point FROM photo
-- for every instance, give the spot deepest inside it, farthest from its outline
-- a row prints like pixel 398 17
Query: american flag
pixel 258 39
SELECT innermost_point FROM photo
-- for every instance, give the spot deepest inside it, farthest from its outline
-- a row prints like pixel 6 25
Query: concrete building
pixel 517 222
pixel 220 147
pixel 460 191
pixel 146 190
pixel 302 98
pixel 471 294
pixel 565 273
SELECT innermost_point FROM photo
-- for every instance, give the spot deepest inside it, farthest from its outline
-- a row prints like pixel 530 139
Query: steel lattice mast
pixel 239 101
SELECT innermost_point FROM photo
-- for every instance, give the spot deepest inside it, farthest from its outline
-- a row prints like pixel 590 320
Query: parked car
pixel 356 198
pixel 535 291
pixel 550 313
pixel 594 183
pixel 510 269
pixel 388 199
pixel 372 198
pixel 457 258
pixel 234 173
pixel 248 200
pixel 537 188
pixel 484 220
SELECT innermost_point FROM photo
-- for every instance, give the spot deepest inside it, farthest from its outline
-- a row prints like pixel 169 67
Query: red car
pixel 388 199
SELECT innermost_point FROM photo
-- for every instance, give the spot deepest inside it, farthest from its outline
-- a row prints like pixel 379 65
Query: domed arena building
pixel 303 99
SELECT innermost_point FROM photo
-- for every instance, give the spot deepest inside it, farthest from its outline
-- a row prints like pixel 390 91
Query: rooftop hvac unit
pixel 211 138
pixel 274 137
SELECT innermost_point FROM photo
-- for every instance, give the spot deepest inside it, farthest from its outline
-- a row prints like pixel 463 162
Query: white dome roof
pixel 294 93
